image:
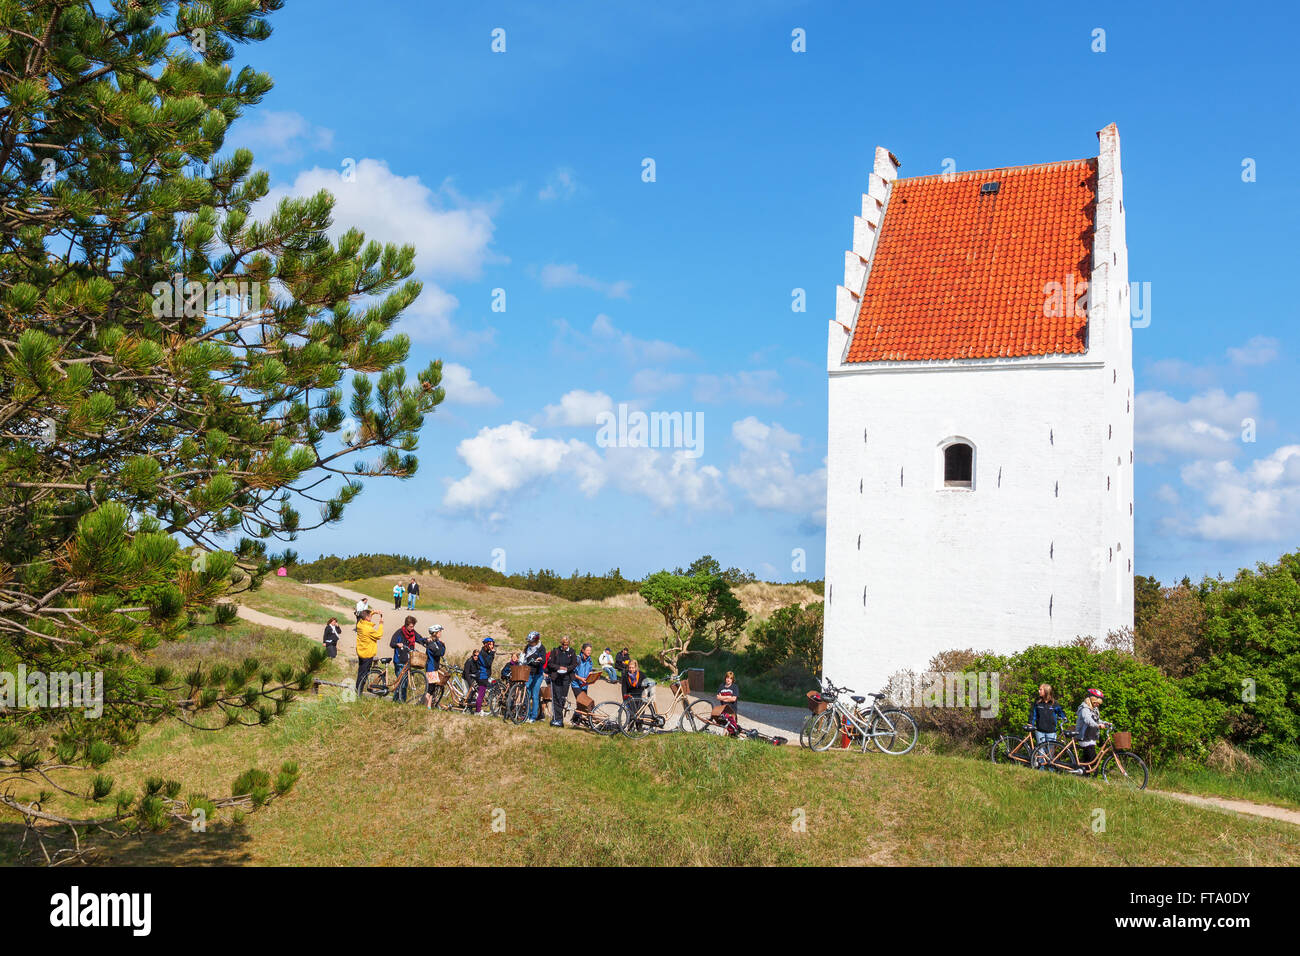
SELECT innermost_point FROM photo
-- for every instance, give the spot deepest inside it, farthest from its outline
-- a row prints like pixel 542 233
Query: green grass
pixel 288 599
pixel 1275 780
pixel 568 797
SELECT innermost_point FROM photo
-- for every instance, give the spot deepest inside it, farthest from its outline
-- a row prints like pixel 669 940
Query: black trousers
pixel 559 691
pixel 331 650
pixel 363 669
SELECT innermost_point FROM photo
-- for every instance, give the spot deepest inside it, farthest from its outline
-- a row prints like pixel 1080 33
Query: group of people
pixel 410 590
pixel 1045 715
pixel 566 670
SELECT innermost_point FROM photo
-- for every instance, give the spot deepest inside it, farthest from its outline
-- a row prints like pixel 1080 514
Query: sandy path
pixel 462 631
pixel 1235 806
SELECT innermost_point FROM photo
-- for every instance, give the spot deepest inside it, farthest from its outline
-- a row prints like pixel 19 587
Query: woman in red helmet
pixel 1087 726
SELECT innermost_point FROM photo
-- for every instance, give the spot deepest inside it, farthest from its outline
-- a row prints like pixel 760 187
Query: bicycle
pixel 643 717
pixel 1113 762
pixel 1010 749
pixel 376 682
pixel 890 730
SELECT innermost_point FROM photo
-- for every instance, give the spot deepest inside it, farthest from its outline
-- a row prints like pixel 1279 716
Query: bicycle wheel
pixel 1004 750
pixel 415 685
pixel 637 723
pixel 607 718
pixel 697 718
pixel 894 732
pixel 435 694
pixel 824 732
pixel 494 700
pixel 1047 756
pixel 459 692
pixel 517 703
pixel 1124 769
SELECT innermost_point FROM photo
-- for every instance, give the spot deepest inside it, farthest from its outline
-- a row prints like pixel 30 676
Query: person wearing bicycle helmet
pixel 434 651
pixel 535 658
pixel 1087 725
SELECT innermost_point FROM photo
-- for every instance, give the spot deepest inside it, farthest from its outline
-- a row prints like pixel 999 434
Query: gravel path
pixel 1235 806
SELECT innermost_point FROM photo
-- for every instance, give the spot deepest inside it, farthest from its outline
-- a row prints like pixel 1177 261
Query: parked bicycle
pixel 891 730
pixel 1115 762
pixel 377 684
pixel 642 717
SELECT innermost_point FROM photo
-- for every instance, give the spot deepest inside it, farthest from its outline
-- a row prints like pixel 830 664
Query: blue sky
pixel 523 171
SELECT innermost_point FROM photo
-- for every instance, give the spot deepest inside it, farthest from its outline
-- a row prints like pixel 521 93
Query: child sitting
pixel 729 696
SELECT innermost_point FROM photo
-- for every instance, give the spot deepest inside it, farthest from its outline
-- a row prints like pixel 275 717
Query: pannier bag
pixel 1121 740
pixel 585 701
pixel 546 692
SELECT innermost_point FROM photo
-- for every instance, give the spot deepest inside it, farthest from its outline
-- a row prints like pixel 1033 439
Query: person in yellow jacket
pixel 370 630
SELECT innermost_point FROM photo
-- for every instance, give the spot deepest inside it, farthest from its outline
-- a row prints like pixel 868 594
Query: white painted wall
pixel 1039 550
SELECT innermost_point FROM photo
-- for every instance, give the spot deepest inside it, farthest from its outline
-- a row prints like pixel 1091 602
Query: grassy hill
pixel 390 785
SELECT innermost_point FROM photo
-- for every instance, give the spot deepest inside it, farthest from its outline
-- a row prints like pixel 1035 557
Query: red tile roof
pixel 957 274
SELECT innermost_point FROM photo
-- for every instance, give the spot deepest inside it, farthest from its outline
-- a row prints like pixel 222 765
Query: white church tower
pixel 980 455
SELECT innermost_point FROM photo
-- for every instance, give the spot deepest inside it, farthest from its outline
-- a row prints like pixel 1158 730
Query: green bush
pixel 793 634
pixel 1164 718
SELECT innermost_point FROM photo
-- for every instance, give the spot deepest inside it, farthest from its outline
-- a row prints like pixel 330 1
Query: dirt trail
pixel 1235 806
pixel 462 630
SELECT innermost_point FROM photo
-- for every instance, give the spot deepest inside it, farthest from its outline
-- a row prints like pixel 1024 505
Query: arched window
pixel 958 464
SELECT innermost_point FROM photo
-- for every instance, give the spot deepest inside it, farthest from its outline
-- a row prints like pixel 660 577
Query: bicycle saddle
pixel 383 660
pixel 859 699
pixel 878 696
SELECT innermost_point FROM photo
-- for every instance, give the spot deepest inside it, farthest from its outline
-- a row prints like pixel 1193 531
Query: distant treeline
pixel 575 587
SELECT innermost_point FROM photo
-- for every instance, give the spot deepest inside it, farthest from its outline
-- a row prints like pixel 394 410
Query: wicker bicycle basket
pixel 1121 740
pixel 520 672
pixel 815 702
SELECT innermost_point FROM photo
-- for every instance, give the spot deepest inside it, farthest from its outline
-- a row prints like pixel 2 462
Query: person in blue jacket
pixel 1044 714
pixel 434 650
pixel 485 656
pixel 581 674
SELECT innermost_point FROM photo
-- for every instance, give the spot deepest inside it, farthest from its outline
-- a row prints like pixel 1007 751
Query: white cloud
pixel 451 235
pixel 1207 425
pixel 1258 503
pixel 281 136
pixel 577 408
pixel 567 275
pixel 461 388
pixel 1260 350
pixel 766 474
pixel 605 338
pixel 508 458
pixel 562 184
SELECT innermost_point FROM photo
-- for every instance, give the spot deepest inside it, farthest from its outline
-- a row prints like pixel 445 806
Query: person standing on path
pixel 412 592
pixel 535 658
pixel 434 651
pixel 331 639
pixel 398 591
pixel 559 667
pixel 362 607
pixel 370 631
pixel 581 673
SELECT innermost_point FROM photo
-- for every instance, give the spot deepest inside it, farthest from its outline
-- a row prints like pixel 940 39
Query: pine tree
pixel 172 373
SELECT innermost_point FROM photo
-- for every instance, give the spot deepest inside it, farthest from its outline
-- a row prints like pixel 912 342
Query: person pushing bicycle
pixel 1088 724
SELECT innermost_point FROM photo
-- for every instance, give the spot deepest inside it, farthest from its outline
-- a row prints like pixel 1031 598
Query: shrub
pixel 793 634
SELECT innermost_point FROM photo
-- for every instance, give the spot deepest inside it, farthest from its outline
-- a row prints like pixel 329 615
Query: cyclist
pixel 369 634
pixel 483 658
pixel 729 696
pixel 559 668
pixel 1088 725
pixel 581 673
pixel 1044 713
pixel 435 650
pixel 633 686
pixel 402 641
pixel 535 658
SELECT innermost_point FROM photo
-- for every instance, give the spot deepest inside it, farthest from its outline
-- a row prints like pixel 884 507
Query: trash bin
pixel 695 678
